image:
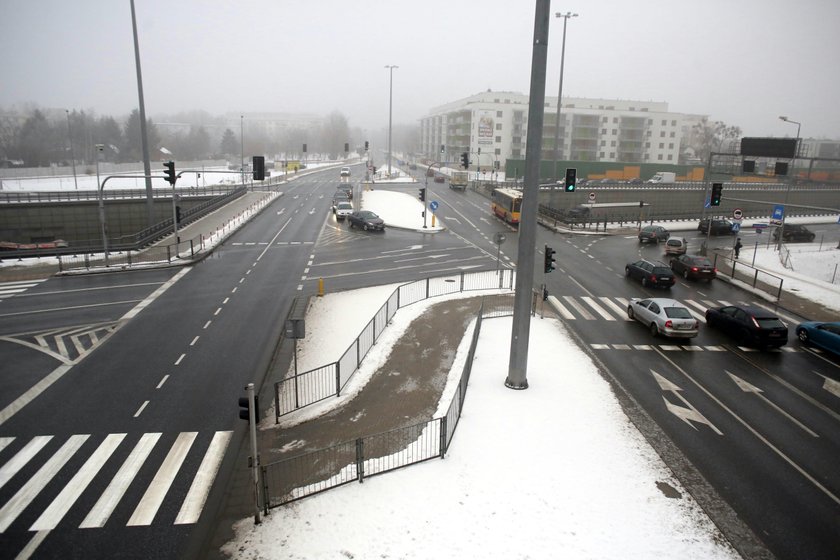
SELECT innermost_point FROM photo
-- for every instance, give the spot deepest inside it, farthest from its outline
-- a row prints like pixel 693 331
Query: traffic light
pixel 258 165
pixel 304 148
pixel 346 147
pixel 178 215
pixel 716 190
pixel 169 172
pixel 465 160
pixel 366 145
pixel 442 148
pixel 549 259
pixel 571 179
pixel 423 194
pixel 245 409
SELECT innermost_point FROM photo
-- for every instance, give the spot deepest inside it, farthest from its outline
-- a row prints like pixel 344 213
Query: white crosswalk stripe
pixel 9 289
pixel 91 456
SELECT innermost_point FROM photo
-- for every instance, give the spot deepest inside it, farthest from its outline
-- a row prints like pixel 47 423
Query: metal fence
pixel 184 250
pixel 748 274
pixel 305 475
pixel 310 387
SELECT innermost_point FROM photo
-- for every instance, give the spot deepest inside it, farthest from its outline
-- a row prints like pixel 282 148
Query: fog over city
pixel 743 63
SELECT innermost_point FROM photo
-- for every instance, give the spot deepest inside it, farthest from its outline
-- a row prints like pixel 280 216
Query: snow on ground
pixel 529 474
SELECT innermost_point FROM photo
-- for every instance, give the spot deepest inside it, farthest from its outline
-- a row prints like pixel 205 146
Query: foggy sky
pixel 744 62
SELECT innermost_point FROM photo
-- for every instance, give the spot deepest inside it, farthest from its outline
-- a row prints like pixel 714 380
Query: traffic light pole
pixel 255 463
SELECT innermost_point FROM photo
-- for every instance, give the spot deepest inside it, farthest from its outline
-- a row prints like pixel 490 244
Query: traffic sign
pixel 778 215
pixel 737 213
pixel 592 196
pixel 433 205
pixel 736 227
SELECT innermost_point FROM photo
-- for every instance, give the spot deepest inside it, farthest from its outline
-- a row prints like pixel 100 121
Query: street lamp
pixel 390 111
pixel 99 149
pixel 565 17
pixel 790 179
pixel 72 155
pixel 242 147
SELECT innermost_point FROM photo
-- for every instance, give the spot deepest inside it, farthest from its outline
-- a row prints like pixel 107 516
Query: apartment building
pixel 493 126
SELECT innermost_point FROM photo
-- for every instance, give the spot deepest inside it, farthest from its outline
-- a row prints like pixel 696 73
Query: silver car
pixel 664 316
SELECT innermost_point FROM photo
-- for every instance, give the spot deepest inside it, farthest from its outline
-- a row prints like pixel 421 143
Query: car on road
pixel 340 196
pixel 664 316
pixel 346 188
pixel 342 209
pixel 366 220
pixel 653 234
pixel 653 274
pixel 676 246
pixel 749 325
pixel 823 335
pixel 694 267
pixel 719 227
pixel 793 233
pixel 440 179
pixel 345 172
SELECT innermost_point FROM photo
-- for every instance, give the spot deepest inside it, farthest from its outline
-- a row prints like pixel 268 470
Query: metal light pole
pixel 390 111
pixel 72 155
pixel 98 150
pixel 557 154
pixel 242 147
pixel 790 180
pixel 147 169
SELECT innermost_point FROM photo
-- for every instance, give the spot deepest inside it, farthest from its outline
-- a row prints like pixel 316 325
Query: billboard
pixel 485 127
pixel 769 147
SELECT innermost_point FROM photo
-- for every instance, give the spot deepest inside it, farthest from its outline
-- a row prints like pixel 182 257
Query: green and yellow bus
pixel 507 204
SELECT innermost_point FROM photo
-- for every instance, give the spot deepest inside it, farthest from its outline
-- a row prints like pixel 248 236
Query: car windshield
pixel 701 261
pixel 677 313
pixel 344 205
pixel 368 215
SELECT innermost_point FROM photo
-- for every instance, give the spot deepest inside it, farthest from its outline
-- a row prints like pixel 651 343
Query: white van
pixel 345 171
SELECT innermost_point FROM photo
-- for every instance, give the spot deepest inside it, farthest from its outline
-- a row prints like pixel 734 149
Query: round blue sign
pixel 433 205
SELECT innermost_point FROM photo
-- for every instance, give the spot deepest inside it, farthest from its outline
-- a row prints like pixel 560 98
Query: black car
pixel 653 234
pixel 346 188
pixel 694 267
pixel 366 220
pixel 651 273
pixel 795 232
pixel 753 326
pixel 719 227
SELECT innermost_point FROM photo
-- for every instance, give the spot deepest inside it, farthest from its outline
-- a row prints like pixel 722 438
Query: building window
pixel 603 131
pixel 614 131
pixel 498 151
pixel 603 143
pixel 672 134
pixel 615 119
pixel 650 122
pixel 499 114
pixel 664 123
pixel 671 146
pixel 661 145
pixel 647 144
pixel 612 144
pixel 612 155
pixel 659 157
pixel 670 157
pixel 601 154
pixel 673 123
pixel 498 138
pixel 604 119
pixel 498 126
pixel 662 134
pixel 516 139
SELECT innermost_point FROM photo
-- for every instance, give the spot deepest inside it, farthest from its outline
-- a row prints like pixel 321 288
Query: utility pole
pixel 147 169
pixel 557 153
pixel 517 369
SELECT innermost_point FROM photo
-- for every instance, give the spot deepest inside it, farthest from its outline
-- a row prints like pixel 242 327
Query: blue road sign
pixel 708 203
pixel 736 227
pixel 433 205
pixel 778 214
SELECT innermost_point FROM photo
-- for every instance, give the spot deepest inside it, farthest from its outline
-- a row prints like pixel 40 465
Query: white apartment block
pixel 609 130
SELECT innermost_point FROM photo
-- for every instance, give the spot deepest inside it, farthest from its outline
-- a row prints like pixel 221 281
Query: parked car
pixel 794 232
pixel 753 326
pixel 340 196
pixel 346 188
pixel 440 179
pixel 651 273
pixel 824 335
pixel 694 267
pixel 366 220
pixel 664 316
pixel 676 246
pixel 719 227
pixel 653 234
pixel 342 209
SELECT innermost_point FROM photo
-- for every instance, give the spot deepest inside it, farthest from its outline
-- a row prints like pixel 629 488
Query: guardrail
pixel 748 274
pixel 310 387
pixel 294 478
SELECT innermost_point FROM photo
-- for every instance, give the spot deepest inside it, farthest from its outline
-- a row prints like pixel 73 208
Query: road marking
pixel 598 309
pixel 71 308
pixel 180 358
pixel 22 457
pixel 207 324
pixel 162 381
pixel 30 395
pixel 194 341
pixel 104 507
pixel 218 310
pixel 618 310
pixel 200 488
pixel 154 295
pixel 579 308
pixel 148 507
pixel 687 413
pixel 140 410
pixel 227 299
pixel 747 387
pixel 29 491
pixel 560 308
pixel 69 494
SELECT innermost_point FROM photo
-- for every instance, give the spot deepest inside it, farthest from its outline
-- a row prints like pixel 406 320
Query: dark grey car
pixel 366 220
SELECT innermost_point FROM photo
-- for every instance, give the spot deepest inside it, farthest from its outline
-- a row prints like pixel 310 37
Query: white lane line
pixel 233 291
pixel 15 406
pixel 194 341
pixel 71 308
pixel 140 410
pixel 162 381
pixel 200 488
pixel 39 481
pixel 560 308
pixel 180 359
pixel 227 299
pixel 145 512
pixel 112 495
pixel 69 494
pixel 218 310
pixel 22 457
pixel 207 324
pixel 4 441
pixel 154 295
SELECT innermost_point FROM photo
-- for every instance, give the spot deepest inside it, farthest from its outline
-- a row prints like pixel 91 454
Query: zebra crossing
pixel 586 308
pixel 83 463
pixel 9 289
pixel 66 344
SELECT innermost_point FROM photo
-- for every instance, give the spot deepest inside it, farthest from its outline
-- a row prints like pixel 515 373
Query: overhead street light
pixel 790 179
pixel 390 111
pixel 557 154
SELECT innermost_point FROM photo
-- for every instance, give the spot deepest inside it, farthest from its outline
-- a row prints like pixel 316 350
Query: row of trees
pixel 40 138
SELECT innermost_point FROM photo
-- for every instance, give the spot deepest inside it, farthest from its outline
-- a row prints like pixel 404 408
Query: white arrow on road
pixel 687 413
pixel 281 211
pixel 750 388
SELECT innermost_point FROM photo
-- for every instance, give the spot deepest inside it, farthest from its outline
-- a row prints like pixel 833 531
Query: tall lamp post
pixel 790 179
pixel 557 154
pixel 72 155
pixel 390 111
